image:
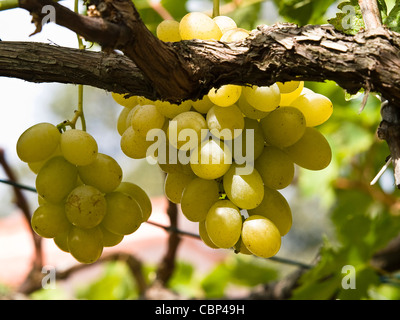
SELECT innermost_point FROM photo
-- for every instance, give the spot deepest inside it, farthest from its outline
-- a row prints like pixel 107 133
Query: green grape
pixel 250 144
pixel 61 240
pixel 275 167
pixel 244 189
pixel 85 207
pixel 233 35
pixel 224 224
pixel 145 118
pixel 38 142
pixel 128 119
pixel 211 160
pixel 316 108
pixel 187 130
pixel 168 31
pixel 225 123
pixel 289 86
pixel 49 220
pixel 110 239
pixel 139 195
pixel 204 236
pixel 124 100
pixel 225 23
pixel 197 25
pixel 174 185
pixel 198 197
pixel 226 95
pixel 261 236
pixel 276 208
pixel 56 179
pixel 264 98
pixel 78 147
pixel 170 161
pixel 312 151
pixel 171 110
pixel 37 165
pixel 202 105
pixel 122 120
pixel 241 248
pixel 134 145
pixel 104 173
pixel 248 110
pixel 124 215
pixel 288 98
pixel 85 245
pixel 283 127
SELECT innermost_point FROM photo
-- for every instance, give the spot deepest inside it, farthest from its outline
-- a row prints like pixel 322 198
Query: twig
pixel 371 15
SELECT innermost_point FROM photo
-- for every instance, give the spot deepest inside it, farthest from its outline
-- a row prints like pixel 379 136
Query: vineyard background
pixel 338 218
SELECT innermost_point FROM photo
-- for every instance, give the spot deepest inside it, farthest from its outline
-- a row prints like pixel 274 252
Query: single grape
pixel 61 240
pixel 245 190
pixel 276 208
pixel 211 160
pixel 288 98
pixel 224 224
pixel 139 195
pixel 236 34
pixel 264 98
pixel 275 167
pixel 49 220
pixel 198 197
pixel 248 110
pixel 104 173
pixel 226 95
pixel 134 145
pixel 225 123
pixel 145 118
pixel 316 108
pixel 283 127
pixel 204 236
pixel 261 236
pixel 241 248
pixel 312 151
pixel 110 239
pixel 171 161
pixel 85 207
pixel 124 215
pixel 124 100
pixel 78 147
pixel 171 110
pixel 56 179
pixel 174 185
pixel 122 120
pixel 85 245
pixel 168 31
pixel 225 23
pixel 202 105
pixel 187 130
pixel 37 165
pixel 197 25
pixel 38 142
pixel 289 86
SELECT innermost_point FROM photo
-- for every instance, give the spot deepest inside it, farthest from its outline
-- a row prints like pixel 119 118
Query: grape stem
pixel 215 8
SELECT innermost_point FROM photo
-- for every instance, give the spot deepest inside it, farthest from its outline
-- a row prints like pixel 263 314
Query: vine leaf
pixel 392 21
pixel 349 20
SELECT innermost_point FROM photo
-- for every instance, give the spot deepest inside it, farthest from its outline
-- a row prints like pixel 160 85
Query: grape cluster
pixel 227 155
pixel 83 203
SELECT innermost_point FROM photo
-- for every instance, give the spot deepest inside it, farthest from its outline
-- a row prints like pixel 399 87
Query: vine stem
pixel 80 112
pixel 215 8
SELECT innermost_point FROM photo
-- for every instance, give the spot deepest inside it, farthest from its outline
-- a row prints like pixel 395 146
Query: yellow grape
pixel 134 145
pixel 204 236
pixel 225 23
pixel 312 151
pixel 122 120
pixel 248 110
pixel 123 216
pixel 170 161
pixel 226 95
pixel 224 224
pixel 38 142
pixel 202 105
pixel 198 197
pixel 124 100
pixel 245 190
pixel 49 220
pixel 145 118
pixel 289 86
pixel 261 236
pixel 316 108
pixel 276 208
pixel 56 179
pixel 283 126
pixel 36 166
pixel 110 239
pixel 138 194
pixel 197 25
pixel 264 98
pixel 85 245
pixel 171 110
pixel 225 123
pixel 85 207
pixel 61 240
pixel 174 185
pixel 275 167
pixel 211 160
pixel 235 34
pixel 168 31
pixel 241 248
pixel 78 147
pixel 104 173
pixel 288 98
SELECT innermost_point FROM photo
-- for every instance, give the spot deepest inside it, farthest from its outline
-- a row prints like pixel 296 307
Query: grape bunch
pixel 228 155
pixel 83 204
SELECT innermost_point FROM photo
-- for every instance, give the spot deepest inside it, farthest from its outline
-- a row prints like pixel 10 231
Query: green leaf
pixel 177 9
pixel 349 19
pixel 392 21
